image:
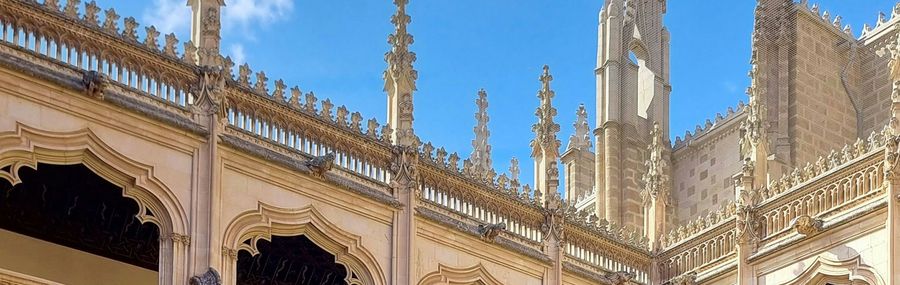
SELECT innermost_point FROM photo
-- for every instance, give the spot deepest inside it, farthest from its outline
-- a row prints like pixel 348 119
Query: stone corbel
pixel 620 277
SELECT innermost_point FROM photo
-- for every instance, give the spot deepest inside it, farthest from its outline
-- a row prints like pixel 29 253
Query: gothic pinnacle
pixel 481 148
pixel 581 139
pixel 545 129
pixel 400 78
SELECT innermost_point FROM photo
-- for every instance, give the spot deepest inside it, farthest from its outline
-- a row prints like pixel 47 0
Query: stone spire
pixel 655 194
pixel 545 145
pixel 582 137
pixel 481 148
pixel 400 78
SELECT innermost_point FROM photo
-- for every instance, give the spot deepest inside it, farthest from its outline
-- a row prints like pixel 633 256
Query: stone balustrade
pixel 81 42
pixel 713 249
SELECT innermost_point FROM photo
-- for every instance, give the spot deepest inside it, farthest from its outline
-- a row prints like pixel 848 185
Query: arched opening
pixel 644 78
pixel 289 260
pixel 65 223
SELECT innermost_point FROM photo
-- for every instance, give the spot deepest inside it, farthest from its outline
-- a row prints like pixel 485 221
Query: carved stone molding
pixel 248 228
pixel 689 278
pixel 476 274
pixel 620 277
pixel 825 267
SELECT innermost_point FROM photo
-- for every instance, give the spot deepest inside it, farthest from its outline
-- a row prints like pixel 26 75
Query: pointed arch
pixel 157 204
pixel 446 275
pixel 824 269
pixel 268 221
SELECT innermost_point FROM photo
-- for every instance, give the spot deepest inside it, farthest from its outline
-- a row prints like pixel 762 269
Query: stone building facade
pixel 127 157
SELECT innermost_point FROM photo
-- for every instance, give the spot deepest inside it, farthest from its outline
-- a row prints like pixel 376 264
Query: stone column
pixel 613 162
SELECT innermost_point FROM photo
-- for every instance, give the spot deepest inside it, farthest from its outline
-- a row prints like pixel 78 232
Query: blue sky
pixel 336 48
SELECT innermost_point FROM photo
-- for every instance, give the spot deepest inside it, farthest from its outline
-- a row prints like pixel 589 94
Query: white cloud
pixel 169 16
pixel 237 54
pixel 246 13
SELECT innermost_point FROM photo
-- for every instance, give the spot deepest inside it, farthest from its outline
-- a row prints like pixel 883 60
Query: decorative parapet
pixel 826 19
pixel 882 23
pixel 700 225
pixel 286 126
pixel 82 42
pixel 825 164
pixel 705 253
pixel 708 127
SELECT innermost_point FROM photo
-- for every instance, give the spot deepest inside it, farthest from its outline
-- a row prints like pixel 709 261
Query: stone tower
pixel 632 92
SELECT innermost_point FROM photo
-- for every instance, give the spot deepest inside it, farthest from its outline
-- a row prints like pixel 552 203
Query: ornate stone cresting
pixel 400 78
pixel 545 145
pixel 514 182
pixel 489 232
pixel 94 84
pixel 581 139
pixel 892 151
pixel 481 147
pixel 211 277
pixel 320 165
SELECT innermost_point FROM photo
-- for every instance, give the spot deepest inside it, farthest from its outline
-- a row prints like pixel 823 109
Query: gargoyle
pixel 490 231
pixel 211 277
pixel 94 84
pixel 320 165
pixel 620 277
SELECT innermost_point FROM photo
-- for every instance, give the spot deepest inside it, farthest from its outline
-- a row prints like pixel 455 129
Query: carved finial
pixel 326 109
pixel 514 169
pixel 881 18
pixel 150 40
pixel 261 83
pixel 71 9
pixel 244 75
pixel 837 22
pixel 52 5
pixel 169 48
pixel 311 102
pixel 372 128
pixel 130 31
pixel 90 13
pixel 341 117
pixel 355 120
pixel 481 147
pixel 582 138
pixel 110 24
pixel 295 97
pixel 453 161
pixel 545 145
pixel 386 133
pixel 190 52
pixel 278 94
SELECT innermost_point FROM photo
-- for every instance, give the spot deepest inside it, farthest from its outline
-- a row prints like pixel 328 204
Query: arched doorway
pixel 291 260
pixel 64 223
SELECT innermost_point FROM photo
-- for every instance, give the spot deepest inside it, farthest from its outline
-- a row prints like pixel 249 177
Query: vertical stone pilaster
pixel 747 223
pixel 892 172
pixel 613 160
pixel 404 182
pixel 554 237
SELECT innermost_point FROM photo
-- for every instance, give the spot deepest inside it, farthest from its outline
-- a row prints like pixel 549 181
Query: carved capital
pixel 178 238
pixel 748 225
pixel 230 253
pixel 94 84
